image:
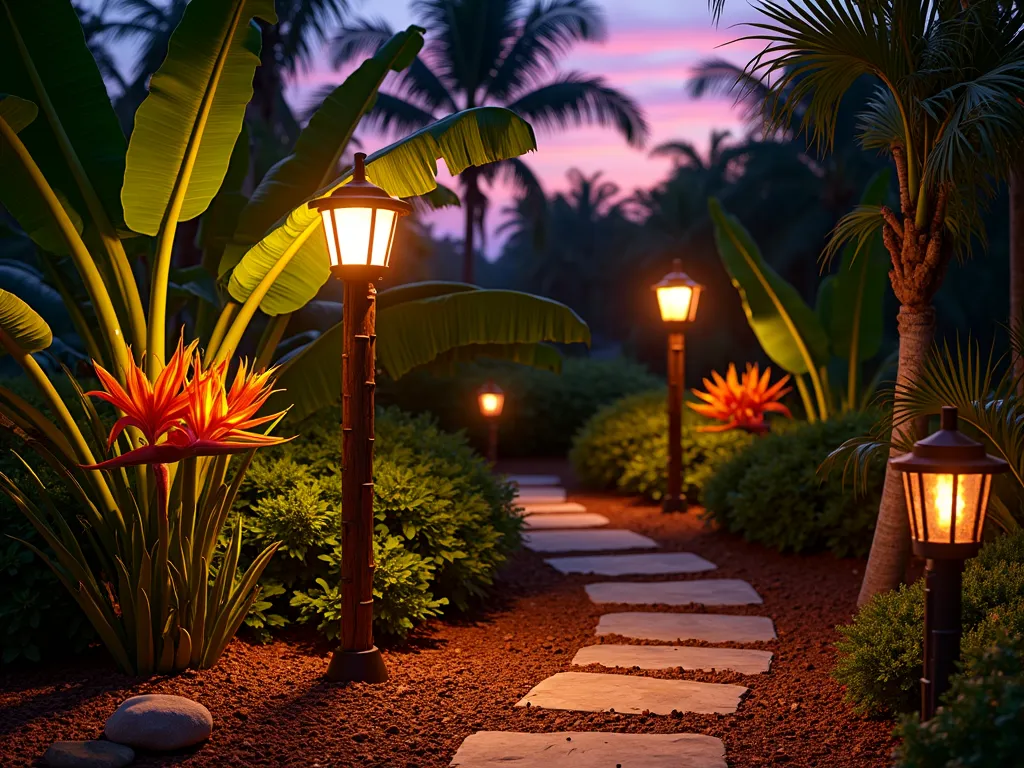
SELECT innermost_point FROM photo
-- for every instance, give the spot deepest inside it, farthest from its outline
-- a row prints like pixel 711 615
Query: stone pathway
pixel 555 525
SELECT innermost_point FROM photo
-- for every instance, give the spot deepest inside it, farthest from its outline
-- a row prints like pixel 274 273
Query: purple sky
pixel 650 48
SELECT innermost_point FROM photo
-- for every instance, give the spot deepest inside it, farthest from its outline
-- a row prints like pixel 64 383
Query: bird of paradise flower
pixel 741 402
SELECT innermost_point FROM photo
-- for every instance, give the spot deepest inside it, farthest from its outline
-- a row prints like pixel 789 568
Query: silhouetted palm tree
pixel 502 52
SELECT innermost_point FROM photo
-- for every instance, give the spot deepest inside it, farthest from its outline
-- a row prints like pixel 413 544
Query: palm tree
pixel 497 52
pixel 945 111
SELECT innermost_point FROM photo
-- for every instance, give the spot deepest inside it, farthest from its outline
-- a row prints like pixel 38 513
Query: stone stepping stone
pixel 586 541
pixel 159 722
pixel 628 694
pixel 674 627
pixel 531 508
pixel 742 660
pixel 702 592
pixel 524 480
pixel 541 495
pixel 650 564
pixel 580 520
pixel 572 749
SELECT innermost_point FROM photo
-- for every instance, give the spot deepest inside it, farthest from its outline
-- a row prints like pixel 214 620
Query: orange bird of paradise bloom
pixel 740 402
pixel 183 417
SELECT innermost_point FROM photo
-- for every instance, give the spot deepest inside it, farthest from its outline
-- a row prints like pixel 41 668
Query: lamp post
pixel 359 222
pixel 491 400
pixel 947 479
pixel 678 296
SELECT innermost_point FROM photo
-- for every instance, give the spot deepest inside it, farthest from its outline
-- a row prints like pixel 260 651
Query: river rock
pixel 159 722
pixel 88 754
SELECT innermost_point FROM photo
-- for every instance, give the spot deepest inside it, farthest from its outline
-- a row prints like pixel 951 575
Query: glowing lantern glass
pixel 678 295
pixel 947 480
pixel 491 400
pixel 359 222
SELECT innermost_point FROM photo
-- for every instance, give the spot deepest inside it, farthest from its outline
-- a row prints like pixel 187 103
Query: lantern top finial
pixel 949 451
pixel 360 192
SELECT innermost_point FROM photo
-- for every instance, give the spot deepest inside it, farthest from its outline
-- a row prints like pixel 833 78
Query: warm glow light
pixel 491 403
pixel 674 303
pixel 349 230
pixel 938 522
pixel 943 494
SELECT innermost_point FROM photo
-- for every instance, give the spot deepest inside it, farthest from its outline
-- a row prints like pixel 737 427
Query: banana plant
pixel 842 331
pixel 111 206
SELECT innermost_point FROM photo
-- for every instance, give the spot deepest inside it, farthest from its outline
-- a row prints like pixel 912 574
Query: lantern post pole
pixel 943 588
pixel 674 501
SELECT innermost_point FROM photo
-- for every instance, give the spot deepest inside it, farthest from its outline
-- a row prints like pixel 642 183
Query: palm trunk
pixel 890 547
pixel 1017 266
pixel 471 201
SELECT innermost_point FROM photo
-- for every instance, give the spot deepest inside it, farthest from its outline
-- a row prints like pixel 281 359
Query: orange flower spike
pixel 154 408
pixel 741 401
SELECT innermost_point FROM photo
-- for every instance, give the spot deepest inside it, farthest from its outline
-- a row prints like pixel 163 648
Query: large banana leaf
pixel 789 331
pixel 314 160
pixel 44 58
pixel 854 317
pixel 413 333
pixel 293 260
pixel 22 325
pixel 186 128
pixel 17 193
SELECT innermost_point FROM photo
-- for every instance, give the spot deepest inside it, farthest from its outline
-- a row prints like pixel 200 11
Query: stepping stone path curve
pixel 555 525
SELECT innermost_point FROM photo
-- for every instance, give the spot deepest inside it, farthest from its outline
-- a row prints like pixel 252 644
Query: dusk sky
pixel 650 48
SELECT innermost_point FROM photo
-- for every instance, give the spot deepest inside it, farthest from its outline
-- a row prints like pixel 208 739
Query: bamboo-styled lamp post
pixel 678 296
pixel 947 479
pixel 359 221
pixel 491 400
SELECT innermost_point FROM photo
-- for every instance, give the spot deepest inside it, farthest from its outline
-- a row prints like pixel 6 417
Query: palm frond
pixel 858 225
pixel 574 99
pixel 303 27
pixel 548 32
pixel 880 124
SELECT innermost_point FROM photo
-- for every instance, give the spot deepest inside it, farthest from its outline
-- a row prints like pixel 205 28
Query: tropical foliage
pixel 844 329
pixel 82 193
pixel 501 52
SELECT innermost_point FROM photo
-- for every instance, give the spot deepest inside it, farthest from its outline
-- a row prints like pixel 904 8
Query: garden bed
pixel 272 706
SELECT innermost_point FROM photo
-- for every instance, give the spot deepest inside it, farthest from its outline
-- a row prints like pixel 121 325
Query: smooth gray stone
pixel 742 660
pixel 629 694
pixel 702 592
pixel 88 754
pixel 586 541
pixel 649 564
pixel 673 627
pixel 541 495
pixel 579 520
pixel 532 508
pixel 159 722
pixel 525 480
pixel 571 749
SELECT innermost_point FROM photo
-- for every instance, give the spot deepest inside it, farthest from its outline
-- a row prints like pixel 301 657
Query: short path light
pixel 678 296
pixel 947 479
pixel 491 400
pixel 359 221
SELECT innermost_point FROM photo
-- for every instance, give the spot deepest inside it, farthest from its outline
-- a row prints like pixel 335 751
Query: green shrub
pixel 880 653
pixel 982 720
pixel 772 492
pixel 444 524
pixel 625 446
pixel 543 410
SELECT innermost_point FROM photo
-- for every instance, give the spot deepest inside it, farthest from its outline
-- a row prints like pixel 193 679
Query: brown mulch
pixel 272 706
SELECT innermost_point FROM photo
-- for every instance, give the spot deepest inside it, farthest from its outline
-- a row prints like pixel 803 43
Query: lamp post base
pixel 670 504
pixel 357 667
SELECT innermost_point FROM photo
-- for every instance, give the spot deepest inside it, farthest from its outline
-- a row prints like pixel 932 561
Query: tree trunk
pixel 1017 265
pixel 470 202
pixel 890 547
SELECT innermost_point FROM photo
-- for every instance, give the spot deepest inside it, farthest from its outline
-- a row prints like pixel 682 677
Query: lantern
pixel 678 295
pixel 947 479
pixel 359 222
pixel 491 399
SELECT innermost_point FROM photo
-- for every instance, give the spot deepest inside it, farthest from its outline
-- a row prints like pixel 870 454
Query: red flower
pixel 194 416
pixel 741 403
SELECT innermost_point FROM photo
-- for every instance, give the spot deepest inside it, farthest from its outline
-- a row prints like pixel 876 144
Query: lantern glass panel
pixel 348 233
pixel 937 515
pixel 491 403
pixel 674 302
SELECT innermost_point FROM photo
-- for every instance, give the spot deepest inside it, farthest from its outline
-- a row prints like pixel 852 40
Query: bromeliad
pixel 741 402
